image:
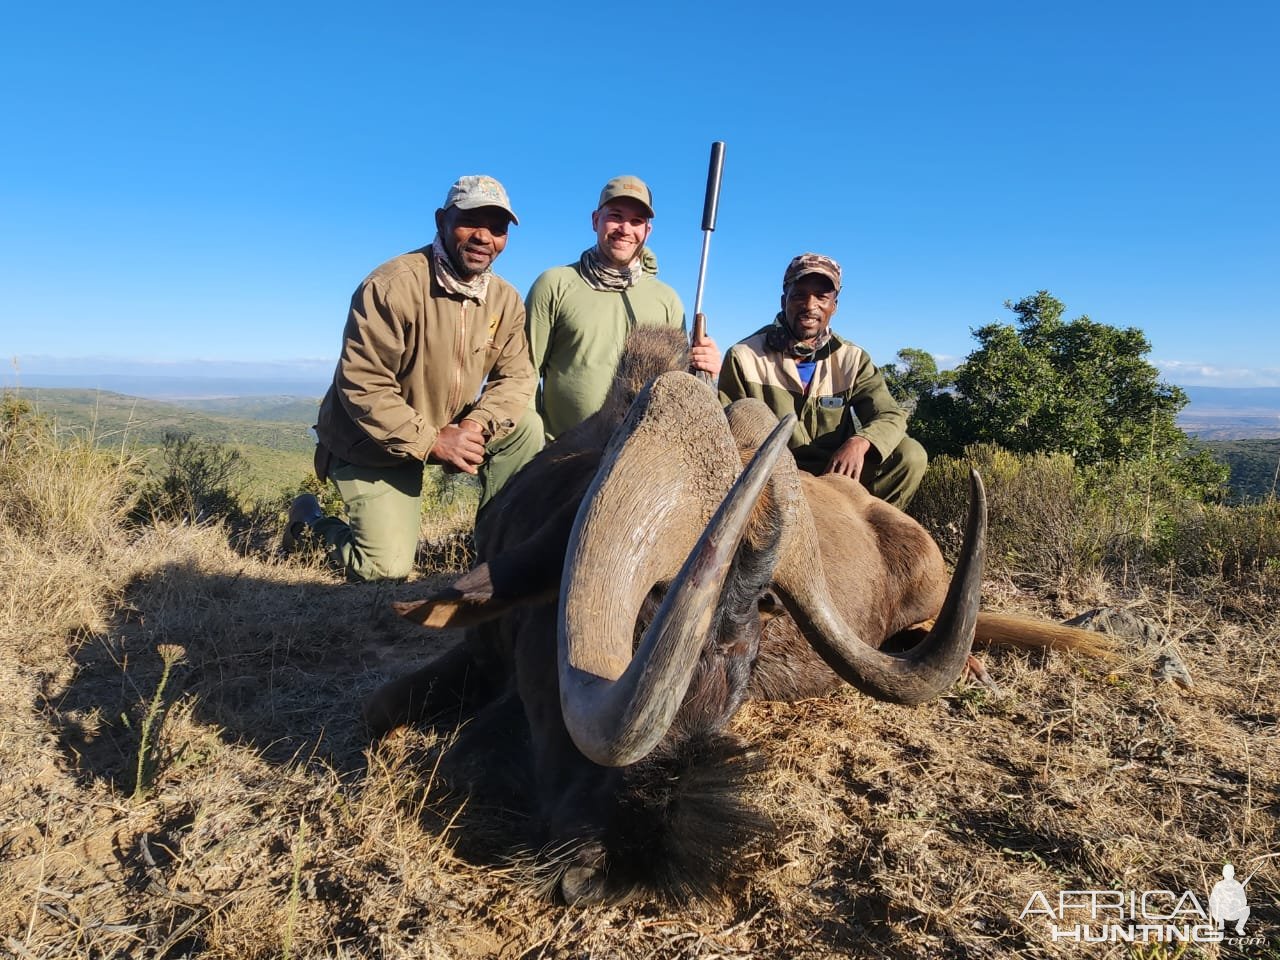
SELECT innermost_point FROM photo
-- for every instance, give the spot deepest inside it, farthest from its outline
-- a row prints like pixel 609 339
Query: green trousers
pixel 896 479
pixel 379 538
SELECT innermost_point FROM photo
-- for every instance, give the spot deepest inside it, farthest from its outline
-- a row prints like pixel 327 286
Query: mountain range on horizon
pixel 1213 413
pixel 1262 400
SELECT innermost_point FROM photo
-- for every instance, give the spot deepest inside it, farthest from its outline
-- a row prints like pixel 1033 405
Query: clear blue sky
pixel 210 182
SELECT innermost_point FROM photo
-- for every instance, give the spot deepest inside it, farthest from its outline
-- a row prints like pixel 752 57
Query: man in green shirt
pixel 848 422
pixel 579 314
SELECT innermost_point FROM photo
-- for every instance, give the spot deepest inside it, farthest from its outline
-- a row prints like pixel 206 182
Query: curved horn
pixel 930 667
pixel 633 523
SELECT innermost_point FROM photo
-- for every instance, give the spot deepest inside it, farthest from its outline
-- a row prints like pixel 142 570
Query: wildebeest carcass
pixel 635 591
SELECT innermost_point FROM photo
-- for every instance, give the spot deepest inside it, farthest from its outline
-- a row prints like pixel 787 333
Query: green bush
pixel 1040 521
pixel 1050 521
pixel 199 481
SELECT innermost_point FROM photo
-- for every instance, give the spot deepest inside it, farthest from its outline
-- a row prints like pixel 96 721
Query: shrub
pixel 200 481
pixel 1050 521
pixel 59 486
pixel 1239 544
pixel 1040 522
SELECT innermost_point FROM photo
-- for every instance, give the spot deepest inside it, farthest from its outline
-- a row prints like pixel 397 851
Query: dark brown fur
pixel 885 574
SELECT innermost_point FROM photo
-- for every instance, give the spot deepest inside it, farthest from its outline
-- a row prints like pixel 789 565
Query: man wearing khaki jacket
pixel 434 368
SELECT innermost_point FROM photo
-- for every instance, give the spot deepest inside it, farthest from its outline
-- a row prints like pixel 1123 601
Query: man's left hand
pixel 850 457
pixel 705 355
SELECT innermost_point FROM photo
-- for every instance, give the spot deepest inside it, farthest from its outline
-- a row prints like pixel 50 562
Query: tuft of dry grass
pixel 271 827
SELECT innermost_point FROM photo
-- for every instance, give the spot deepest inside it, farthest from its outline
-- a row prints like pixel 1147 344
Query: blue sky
pixel 209 183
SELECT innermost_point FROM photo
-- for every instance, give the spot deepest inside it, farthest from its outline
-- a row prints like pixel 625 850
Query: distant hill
pixel 170 388
pixel 277 423
pixel 1231 413
pixel 285 409
pixel 1253 466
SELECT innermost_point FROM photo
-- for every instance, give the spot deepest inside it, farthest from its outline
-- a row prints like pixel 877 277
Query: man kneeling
pixel 848 422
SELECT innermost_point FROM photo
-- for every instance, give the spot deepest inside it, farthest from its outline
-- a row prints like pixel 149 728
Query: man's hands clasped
pixel 459 446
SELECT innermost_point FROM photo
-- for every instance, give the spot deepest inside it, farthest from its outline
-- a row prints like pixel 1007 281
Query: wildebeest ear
pixel 526 574
pixel 769 606
pixel 470 600
pixel 466 601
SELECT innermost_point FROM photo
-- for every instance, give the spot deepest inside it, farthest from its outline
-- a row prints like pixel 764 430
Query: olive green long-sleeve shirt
pixel 576 335
pixel 847 397
pixel 414 358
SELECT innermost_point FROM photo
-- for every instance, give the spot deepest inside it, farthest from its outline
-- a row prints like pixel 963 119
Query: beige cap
pixel 473 191
pixel 627 186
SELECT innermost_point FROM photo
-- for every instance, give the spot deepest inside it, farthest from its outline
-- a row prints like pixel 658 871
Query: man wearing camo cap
pixel 848 422
pixel 434 368
pixel 580 314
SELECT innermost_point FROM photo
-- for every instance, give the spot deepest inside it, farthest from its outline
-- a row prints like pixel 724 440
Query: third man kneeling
pixel 847 421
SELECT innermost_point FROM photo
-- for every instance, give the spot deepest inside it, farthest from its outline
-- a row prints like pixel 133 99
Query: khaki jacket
pixel 415 358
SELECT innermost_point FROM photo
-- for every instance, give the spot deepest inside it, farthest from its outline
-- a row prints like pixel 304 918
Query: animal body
pixel 638 584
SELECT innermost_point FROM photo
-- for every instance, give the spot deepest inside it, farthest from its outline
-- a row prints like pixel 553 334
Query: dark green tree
pixel 926 393
pixel 1048 385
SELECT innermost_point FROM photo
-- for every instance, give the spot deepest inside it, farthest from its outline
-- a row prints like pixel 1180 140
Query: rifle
pixel 709 209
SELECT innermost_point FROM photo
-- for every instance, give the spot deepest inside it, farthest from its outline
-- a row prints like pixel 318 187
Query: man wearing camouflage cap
pixel 434 368
pixel 848 422
pixel 580 314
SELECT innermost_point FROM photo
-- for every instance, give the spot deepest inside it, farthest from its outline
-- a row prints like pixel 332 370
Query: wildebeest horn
pixel 651 496
pixel 930 667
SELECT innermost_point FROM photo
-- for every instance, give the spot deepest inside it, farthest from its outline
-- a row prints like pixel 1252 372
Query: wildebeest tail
pixel 1002 629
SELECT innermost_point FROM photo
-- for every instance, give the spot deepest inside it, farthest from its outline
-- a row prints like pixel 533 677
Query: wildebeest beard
pixel 676 824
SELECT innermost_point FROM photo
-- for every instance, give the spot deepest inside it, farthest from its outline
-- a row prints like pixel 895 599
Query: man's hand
pixel 705 355
pixel 850 457
pixel 459 445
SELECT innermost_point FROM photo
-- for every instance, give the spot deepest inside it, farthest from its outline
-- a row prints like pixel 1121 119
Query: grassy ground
pixel 185 774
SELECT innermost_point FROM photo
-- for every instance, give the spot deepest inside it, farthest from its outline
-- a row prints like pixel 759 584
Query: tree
pixel 1048 385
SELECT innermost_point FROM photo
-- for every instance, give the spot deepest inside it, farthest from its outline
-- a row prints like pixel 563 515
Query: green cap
pixel 628 186
pixel 473 191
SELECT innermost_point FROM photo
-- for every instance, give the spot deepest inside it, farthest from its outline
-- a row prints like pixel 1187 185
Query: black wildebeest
pixel 638 584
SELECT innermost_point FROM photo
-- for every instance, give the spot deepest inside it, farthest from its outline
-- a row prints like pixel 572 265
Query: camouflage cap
pixel 627 186
pixel 473 191
pixel 808 263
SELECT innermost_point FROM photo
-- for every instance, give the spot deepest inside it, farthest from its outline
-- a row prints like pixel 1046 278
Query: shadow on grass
pixel 281 667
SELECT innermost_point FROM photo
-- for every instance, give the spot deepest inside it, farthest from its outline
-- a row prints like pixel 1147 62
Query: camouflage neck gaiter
pixel 448 277
pixel 779 337
pixel 600 275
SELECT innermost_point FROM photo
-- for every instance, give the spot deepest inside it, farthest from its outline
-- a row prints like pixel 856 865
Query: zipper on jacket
pixel 455 394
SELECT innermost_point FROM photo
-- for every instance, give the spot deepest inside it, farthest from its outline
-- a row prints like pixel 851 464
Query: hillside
pixel 277 423
pixel 1253 466
pixel 188 775
pixel 282 409
pixel 270 433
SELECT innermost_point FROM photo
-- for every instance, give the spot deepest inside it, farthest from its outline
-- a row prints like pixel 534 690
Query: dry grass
pixel 271 829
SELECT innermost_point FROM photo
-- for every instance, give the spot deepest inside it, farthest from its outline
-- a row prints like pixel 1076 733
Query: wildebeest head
pixel 630 582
